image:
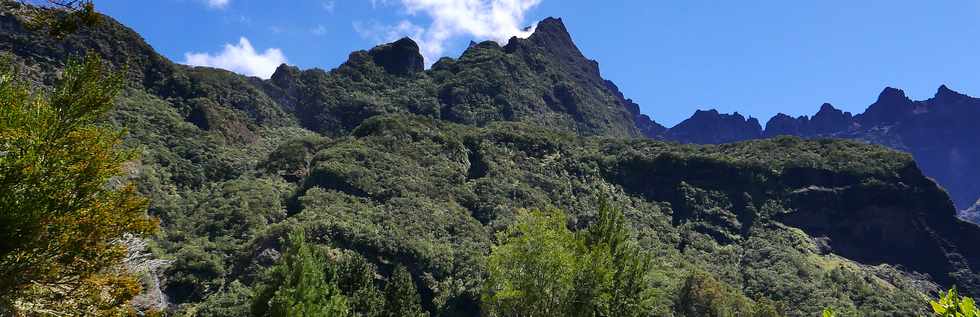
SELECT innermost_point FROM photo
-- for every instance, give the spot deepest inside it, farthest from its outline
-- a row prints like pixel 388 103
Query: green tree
pixel 300 285
pixel 64 201
pixel 618 272
pixel 356 279
pixel 532 271
pixel 703 295
pixel 401 298
pixel 765 307
pixel 542 268
pixel 59 18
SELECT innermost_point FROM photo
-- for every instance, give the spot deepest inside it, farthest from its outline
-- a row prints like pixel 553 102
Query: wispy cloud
pixel 328 6
pixel 379 3
pixel 380 33
pixel 497 20
pixel 319 30
pixel 218 4
pixel 241 58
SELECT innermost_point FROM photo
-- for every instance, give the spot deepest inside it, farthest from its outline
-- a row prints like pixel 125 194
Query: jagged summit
pixel 892 106
pixel 551 32
pixel 285 72
pixel 713 127
pixel 944 94
pixel 827 107
pixel 941 133
pixel 890 94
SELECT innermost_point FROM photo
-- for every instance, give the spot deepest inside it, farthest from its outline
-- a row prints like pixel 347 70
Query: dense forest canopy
pixel 511 181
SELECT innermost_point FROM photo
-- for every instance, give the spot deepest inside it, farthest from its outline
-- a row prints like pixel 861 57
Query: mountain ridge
pixel 936 131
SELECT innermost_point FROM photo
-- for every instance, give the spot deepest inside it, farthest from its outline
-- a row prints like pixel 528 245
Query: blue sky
pixel 672 57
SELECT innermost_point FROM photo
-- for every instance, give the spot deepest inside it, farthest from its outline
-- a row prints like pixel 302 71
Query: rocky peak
pixel 827 108
pixel 551 32
pixel 553 39
pixel 892 95
pixel 946 95
pixel 892 106
pixel 401 57
pixel 829 120
pixel 783 124
pixel 712 127
pixel 285 74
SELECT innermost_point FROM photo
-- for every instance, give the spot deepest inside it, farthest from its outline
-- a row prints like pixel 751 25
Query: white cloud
pixel 218 4
pixel 241 58
pixel 497 20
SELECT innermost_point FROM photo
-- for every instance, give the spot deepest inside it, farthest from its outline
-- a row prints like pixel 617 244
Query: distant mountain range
pixel 941 133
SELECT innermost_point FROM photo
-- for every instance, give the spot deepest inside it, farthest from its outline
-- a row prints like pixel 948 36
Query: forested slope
pixel 385 164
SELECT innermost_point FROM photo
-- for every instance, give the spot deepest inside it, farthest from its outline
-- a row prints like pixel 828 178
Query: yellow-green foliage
pixel 704 295
pixel 952 305
pixel 64 200
pixel 533 269
pixel 543 268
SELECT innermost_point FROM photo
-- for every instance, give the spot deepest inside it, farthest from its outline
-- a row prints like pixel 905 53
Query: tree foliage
pixel 704 295
pixel 300 285
pixel 953 305
pixel 543 268
pixel 65 200
pixel 390 188
pixel 532 270
pixel 401 298
pixel 59 18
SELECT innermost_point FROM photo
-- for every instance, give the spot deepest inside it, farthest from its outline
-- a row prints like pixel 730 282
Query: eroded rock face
pixel 401 57
pixel 888 223
pixel 899 217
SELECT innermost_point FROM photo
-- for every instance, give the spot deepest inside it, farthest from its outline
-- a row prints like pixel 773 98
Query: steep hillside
pixel 392 164
pixel 938 132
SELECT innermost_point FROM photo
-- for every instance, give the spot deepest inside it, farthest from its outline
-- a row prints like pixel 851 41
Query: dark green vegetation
pixel 402 181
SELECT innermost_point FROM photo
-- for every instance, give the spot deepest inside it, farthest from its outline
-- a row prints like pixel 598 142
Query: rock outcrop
pixel 711 127
pixel 401 57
